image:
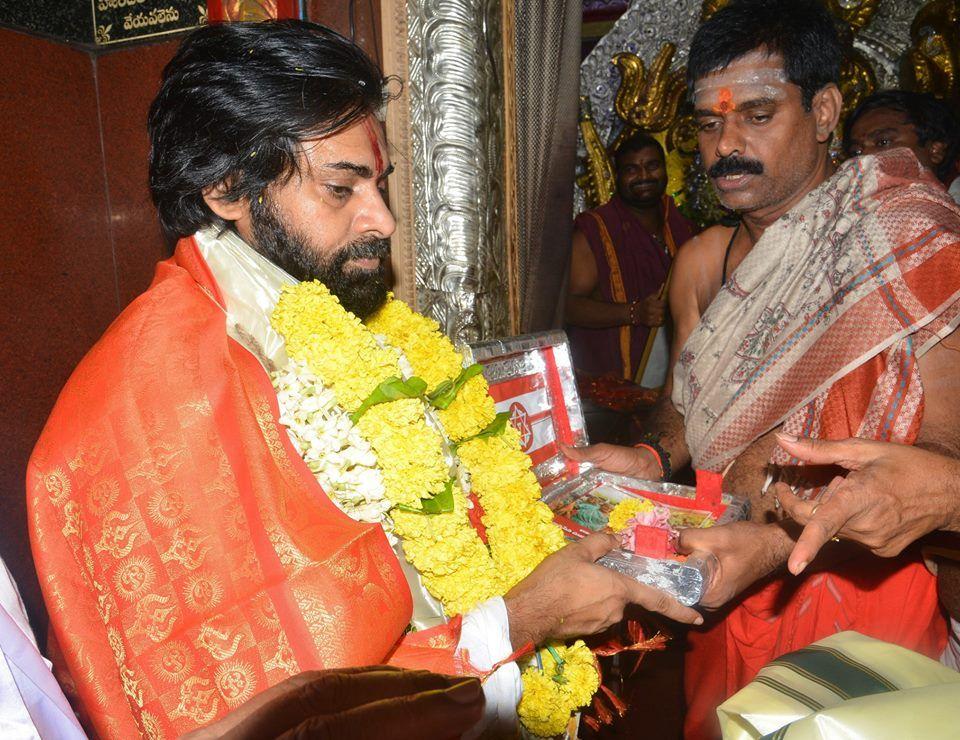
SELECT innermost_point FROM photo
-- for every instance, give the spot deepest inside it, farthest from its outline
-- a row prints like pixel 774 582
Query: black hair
pixel 235 104
pixel 930 117
pixel 802 32
pixel 640 140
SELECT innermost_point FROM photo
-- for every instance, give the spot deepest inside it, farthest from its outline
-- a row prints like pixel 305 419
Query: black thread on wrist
pixel 653 440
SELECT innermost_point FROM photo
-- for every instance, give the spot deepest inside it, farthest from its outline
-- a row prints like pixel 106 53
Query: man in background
pixel 919 121
pixel 622 254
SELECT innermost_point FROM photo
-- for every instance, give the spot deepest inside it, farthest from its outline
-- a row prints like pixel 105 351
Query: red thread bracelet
pixel 642 446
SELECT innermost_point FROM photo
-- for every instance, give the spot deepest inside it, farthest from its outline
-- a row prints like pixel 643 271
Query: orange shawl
pixel 188 557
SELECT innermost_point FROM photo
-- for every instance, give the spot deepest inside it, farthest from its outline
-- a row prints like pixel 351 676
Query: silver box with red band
pixel 532 378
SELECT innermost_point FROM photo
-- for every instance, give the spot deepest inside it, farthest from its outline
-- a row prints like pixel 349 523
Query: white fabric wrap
pixel 485 635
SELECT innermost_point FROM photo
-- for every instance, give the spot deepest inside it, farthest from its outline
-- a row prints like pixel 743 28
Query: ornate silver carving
pixel 456 117
pixel 648 23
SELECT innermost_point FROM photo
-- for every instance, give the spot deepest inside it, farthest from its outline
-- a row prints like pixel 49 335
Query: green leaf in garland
pixel 494 429
pixel 441 503
pixel 446 392
pixel 391 389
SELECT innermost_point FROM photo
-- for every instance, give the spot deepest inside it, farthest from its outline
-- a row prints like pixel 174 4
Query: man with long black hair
pixel 821 314
pixel 188 556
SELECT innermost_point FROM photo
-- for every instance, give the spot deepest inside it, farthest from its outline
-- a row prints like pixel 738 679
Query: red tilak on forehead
pixel 725 101
pixel 374 144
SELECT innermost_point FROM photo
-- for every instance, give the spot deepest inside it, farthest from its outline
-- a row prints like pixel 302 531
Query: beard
pixel 361 292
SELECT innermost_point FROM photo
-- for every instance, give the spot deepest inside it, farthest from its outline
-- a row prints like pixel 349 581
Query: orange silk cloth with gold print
pixel 188 557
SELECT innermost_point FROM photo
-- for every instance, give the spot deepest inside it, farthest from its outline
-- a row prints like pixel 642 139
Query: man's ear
pixel 937 151
pixel 229 210
pixel 826 107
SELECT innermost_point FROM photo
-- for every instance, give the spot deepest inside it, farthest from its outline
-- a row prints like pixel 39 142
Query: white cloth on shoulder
pixel 31 702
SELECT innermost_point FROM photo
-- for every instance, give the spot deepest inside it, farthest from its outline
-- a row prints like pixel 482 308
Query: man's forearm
pixel 665 422
pixel 943 474
pixel 593 314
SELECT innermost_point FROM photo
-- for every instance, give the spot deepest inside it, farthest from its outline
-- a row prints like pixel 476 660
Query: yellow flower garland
pixel 454 563
pixel 549 691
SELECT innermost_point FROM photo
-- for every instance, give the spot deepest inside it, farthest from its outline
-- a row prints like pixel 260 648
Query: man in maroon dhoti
pixel 622 252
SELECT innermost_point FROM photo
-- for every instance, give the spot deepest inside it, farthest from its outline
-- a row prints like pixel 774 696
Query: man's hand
pixel 637 462
pixel 569 595
pixel 893 495
pixel 745 552
pixel 369 703
pixel 650 311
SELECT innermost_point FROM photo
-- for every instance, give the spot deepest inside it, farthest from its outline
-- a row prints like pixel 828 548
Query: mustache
pixel 735 166
pixel 367 248
pixel 642 183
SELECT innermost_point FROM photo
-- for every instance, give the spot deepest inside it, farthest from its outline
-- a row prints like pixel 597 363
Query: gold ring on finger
pixel 813 511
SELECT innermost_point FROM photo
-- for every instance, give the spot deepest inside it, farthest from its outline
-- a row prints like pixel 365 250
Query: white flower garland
pixel 342 461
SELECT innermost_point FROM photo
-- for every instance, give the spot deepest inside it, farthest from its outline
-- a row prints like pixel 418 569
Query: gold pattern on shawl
pixel 392 579
pixel 442 642
pixel 166 507
pixel 270 429
pixel 156 616
pixel 72 526
pixel 161 464
pixel 116 644
pixel 350 566
pixel 201 407
pixel 88 571
pixel 289 554
pixel 134 577
pixel 221 642
pixel 53 588
pixel 203 592
pixel 283 660
pixel 90 671
pixel 116 536
pixel 236 682
pixel 375 598
pixel 249 568
pixel 235 522
pixel 151 726
pixel 131 685
pixel 105 602
pixel 90 457
pixel 187 548
pixel 57 484
pixel 327 626
pixel 103 495
pixel 198 701
pixel 173 662
pixel 265 613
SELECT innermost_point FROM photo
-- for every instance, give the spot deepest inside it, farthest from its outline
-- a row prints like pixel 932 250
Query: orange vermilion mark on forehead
pixel 374 144
pixel 724 101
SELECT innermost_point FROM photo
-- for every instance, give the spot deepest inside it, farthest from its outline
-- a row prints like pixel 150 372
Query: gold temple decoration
pixel 854 15
pixel 648 101
pixel 599 182
pixel 250 10
pixel 857 78
pixel 932 63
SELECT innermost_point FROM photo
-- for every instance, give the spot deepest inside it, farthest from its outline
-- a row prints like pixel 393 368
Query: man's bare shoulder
pixel 699 260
